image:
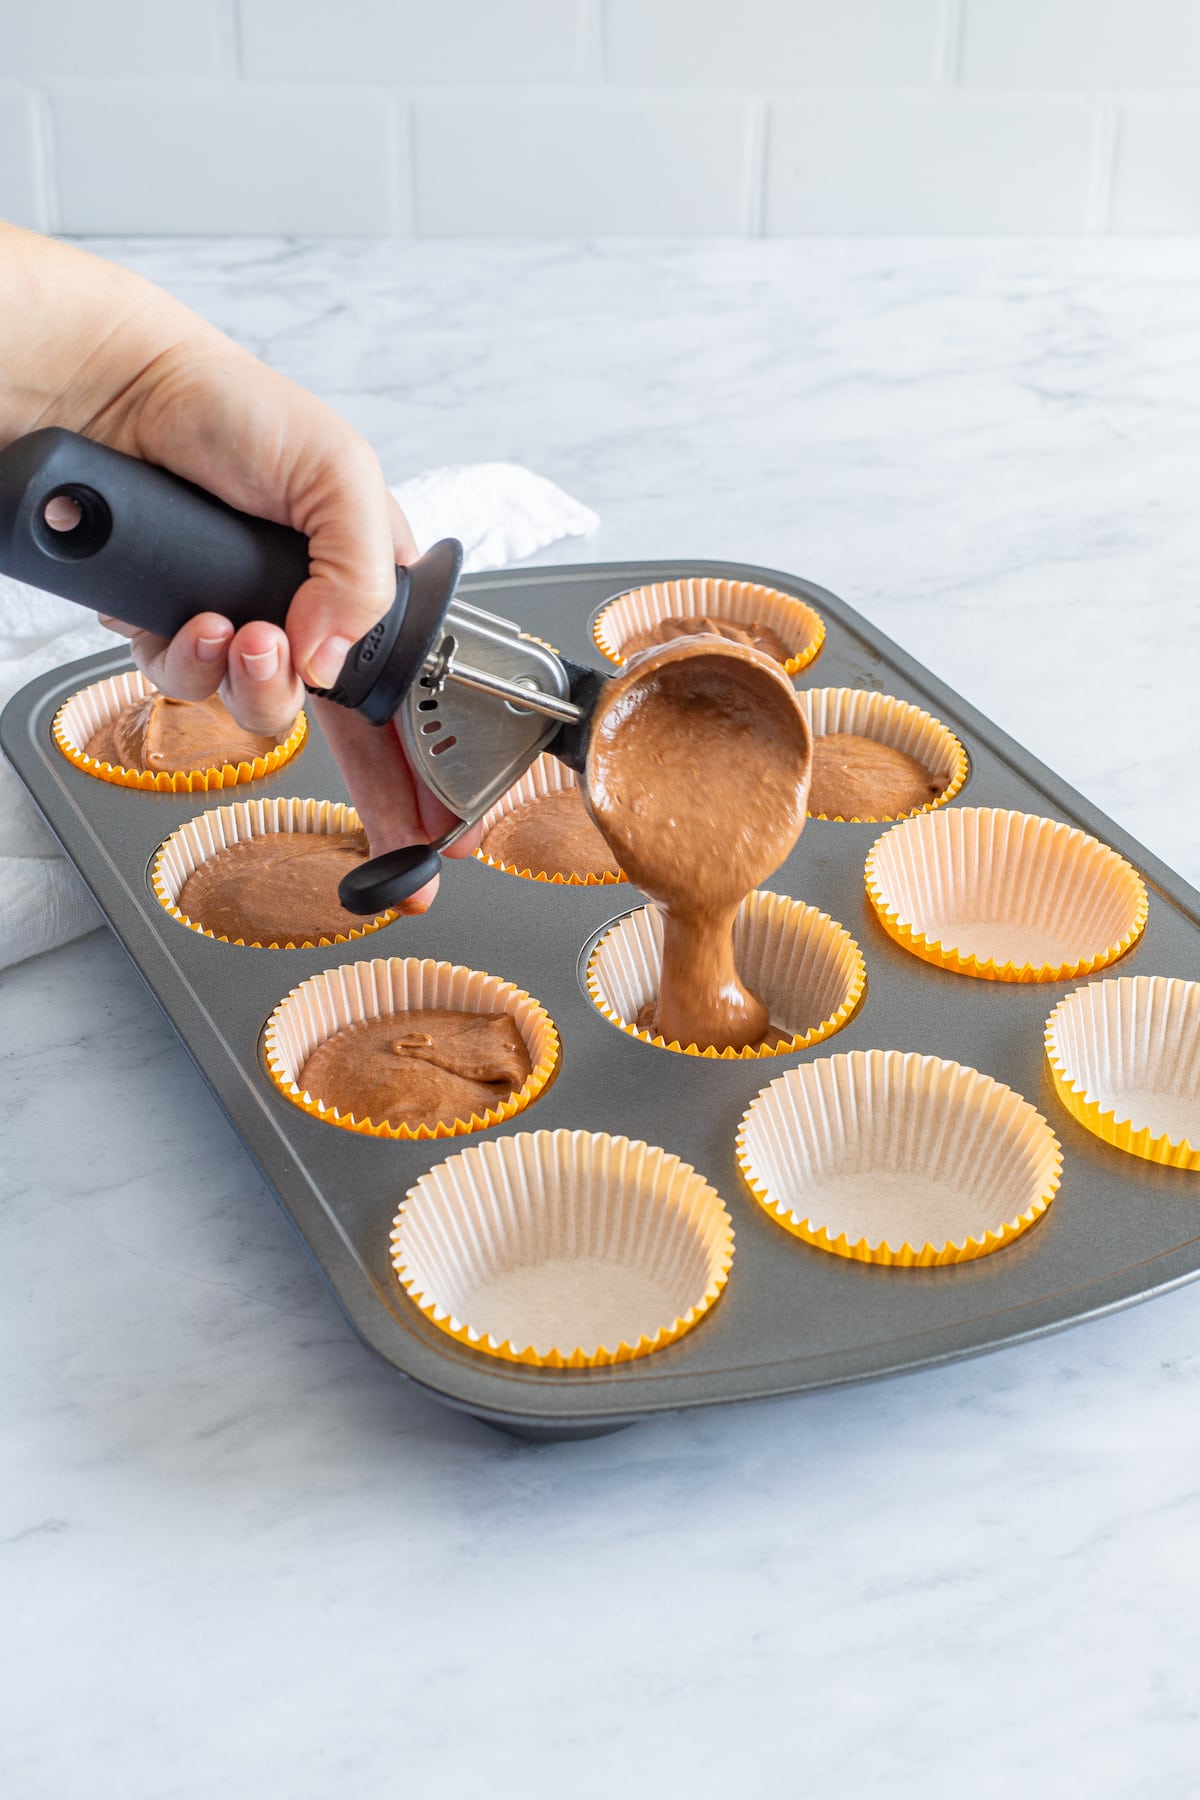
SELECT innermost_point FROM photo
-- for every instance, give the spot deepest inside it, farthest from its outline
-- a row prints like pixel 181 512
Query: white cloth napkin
pixel 500 511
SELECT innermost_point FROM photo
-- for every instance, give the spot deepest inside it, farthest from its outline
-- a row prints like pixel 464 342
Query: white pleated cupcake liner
pixel 79 719
pixel 544 777
pixel 1125 1058
pixel 803 965
pixel 563 1249
pixel 897 723
pixel 745 602
pixel 328 1002
pixel 195 843
pixel 888 1157
pixel 1004 895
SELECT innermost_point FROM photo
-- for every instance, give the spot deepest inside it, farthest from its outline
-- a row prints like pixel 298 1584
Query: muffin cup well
pixel 326 1003
pixel 888 1157
pixel 79 718
pixel 1125 1057
pixel 805 967
pixel 896 723
pixel 563 1249
pixel 194 843
pixel 795 622
pixel 1006 896
pixel 545 776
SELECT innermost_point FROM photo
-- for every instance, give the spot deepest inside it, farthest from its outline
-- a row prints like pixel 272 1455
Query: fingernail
pixel 208 649
pixel 325 663
pixel 262 666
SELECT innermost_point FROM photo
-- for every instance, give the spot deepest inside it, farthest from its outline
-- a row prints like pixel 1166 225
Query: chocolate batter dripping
pixel 697 774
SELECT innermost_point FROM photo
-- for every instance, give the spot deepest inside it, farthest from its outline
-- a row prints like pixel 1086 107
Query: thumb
pixel 347 514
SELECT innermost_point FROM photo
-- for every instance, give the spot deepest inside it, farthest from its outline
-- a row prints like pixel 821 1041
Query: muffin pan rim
pixel 566 1404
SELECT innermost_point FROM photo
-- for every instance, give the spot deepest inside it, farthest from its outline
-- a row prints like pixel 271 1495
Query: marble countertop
pixel 240 1556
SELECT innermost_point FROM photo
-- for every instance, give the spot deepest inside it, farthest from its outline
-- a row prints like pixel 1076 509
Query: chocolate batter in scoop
pixel 697 774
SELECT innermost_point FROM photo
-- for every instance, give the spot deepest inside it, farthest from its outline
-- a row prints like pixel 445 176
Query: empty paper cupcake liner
pixel 888 1157
pixel 792 619
pixel 563 1249
pixel 1125 1057
pixel 79 719
pixel 1004 895
pixel 805 967
pixel 546 776
pixel 326 1003
pixel 194 843
pixel 895 723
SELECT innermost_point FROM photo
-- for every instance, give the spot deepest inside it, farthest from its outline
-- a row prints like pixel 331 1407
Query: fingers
pixel 189 666
pixel 346 511
pixel 261 688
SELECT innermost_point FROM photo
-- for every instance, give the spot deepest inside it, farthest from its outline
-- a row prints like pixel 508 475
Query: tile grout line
pixel 1102 173
pixel 45 162
pixel 757 147
pixel 950 41
pixel 591 44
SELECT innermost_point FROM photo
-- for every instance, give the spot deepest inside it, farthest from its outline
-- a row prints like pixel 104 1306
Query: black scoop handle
pixel 154 550
pixel 149 548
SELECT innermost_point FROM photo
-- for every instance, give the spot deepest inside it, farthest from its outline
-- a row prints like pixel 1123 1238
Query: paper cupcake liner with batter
pixel 895 723
pixel 545 776
pixel 803 965
pixel 79 719
pixel 563 1249
pixel 326 1003
pixel 884 1156
pixel 1125 1057
pixel 194 843
pixel 792 619
pixel 1006 896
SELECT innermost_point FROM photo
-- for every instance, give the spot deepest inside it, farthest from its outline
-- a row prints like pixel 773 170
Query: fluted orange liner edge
pixel 802 964
pixel 884 1156
pixel 1125 1057
pixel 545 776
pixel 194 843
pixel 563 1249
pixel 896 723
pixel 78 720
pixel 324 1004
pixel 795 622
pixel 1006 896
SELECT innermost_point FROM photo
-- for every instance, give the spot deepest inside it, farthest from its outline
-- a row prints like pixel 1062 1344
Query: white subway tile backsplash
pixel 599 164
pixel 852 164
pixel 97 38
pixel 1073 44
pixel 773 43
pixel 1157 186
pixel 403 41
pixel 20 193
pixel 191 157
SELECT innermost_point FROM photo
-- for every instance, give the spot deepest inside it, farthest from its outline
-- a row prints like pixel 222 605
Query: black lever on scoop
pixel 154 551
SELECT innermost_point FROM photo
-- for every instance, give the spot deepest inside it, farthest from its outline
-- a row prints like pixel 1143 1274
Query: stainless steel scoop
pixel 475 700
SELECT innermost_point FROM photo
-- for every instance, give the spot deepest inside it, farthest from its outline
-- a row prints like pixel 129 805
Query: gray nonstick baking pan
pixel 792 1317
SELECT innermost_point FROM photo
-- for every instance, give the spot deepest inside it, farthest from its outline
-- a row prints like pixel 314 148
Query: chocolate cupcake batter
pixel 280 888
pixel 419 1068
pixel 551 836
pixel 859 778
pixel 179 736
pixel 697 774
pixel 734 631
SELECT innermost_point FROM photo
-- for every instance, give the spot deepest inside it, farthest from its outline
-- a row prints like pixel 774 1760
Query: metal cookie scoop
pixel 474 699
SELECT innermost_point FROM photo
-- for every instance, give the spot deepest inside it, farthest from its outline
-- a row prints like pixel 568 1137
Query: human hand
pixel 127 365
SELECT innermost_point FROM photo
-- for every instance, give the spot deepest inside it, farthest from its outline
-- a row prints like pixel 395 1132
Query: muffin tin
pixel 792 1316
